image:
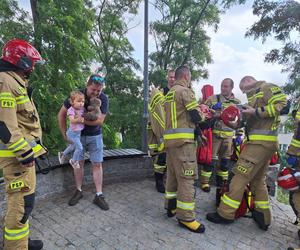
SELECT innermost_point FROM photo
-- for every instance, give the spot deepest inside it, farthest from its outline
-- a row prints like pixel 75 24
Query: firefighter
pixel 265 103
pixel 155 129
pixel 222 138
pixel 293 160
pixel 181 117
pixel 20 135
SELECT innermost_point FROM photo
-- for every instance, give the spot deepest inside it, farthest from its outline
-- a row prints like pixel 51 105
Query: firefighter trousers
pixel 295 204
pixel 159 163
pixel 251 168
pixel 20 185
pixel 221 153
pixel 181 175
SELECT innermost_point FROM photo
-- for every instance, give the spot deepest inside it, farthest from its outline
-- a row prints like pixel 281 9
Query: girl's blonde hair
pixel 76 95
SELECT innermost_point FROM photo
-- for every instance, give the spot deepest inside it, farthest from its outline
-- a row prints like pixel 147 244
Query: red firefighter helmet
pixel 287 179
pixel 205 111
pixel 21 54
pixel 231 115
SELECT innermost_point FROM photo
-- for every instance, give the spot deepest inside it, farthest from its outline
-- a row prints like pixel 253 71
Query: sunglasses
pixel 98 79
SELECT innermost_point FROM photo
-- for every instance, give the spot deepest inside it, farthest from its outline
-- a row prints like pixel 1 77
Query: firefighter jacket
pixel 20 130
pixel 220 129
pixel 156 123
pixel 294 148
pixel 268 100
pixel 179 101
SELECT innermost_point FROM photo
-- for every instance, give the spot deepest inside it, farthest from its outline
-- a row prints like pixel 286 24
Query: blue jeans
pixel 93 145
pixel 76 146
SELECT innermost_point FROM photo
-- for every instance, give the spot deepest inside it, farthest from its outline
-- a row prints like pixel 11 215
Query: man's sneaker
pixel 35 244
pixel 61 158
pixel 100 202
pixel 74 164
pixel 75 198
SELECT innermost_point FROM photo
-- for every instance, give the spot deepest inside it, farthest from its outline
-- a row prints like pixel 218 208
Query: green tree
pixel 180 35
pixel 114 52
pixel 14 22
pixel 281 20
pixel 60 30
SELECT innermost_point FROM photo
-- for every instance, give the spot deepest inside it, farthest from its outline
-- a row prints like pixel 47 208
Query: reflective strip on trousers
pixel 230 202
pixel 152 146
pixel 223 174
pixel 9 153
pixel 16 234
pixel 297 115
pixel 262 204
pixel 159 167
pixel 170 195
pixel 295 143
pixel 185 205
pixel 206 174
pixel 179 133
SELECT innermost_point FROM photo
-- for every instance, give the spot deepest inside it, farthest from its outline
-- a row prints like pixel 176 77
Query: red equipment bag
pixel 274 159
pixel 247 204
pixel 204 154
pixel 207 91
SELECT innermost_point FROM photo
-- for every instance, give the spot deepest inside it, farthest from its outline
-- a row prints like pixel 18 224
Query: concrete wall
pixel 61 179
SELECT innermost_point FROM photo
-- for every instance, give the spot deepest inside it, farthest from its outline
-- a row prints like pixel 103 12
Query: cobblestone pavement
pixel 137 220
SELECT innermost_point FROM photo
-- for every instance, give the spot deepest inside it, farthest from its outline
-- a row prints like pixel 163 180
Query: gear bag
pixel 204 153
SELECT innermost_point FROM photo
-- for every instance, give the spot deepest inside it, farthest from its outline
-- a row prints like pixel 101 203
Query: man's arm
pixel 98 122
pixel 62 121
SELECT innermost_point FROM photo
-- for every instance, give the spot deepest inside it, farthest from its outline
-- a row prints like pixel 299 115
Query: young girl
pixel 75 115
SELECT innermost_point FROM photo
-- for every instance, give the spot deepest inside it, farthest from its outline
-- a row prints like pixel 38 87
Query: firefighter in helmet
pixel 265 103
pixel 20 141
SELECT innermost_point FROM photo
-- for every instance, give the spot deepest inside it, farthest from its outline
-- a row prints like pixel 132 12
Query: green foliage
pixel 14 22
pixel 281 20
pixel 180 35
pixel 62 30
pixel 114 52
pixel 60 33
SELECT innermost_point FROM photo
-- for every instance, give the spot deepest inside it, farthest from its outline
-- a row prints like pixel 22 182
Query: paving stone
pixel 137 221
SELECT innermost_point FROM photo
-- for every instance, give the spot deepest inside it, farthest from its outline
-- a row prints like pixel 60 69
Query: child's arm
pixel 74 120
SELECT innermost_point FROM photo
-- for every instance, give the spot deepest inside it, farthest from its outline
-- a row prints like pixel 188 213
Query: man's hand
pixel 247 110
pixel 28 165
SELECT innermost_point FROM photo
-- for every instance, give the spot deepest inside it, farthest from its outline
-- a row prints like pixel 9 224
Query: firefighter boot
pixel 218 219
pixel 260 220
pixel 193 226
pixel 171 212
pixel 292 248
pixel 205 187
pixel 159 182
pixel 35 244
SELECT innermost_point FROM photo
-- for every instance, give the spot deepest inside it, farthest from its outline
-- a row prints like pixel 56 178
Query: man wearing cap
pixel 91 139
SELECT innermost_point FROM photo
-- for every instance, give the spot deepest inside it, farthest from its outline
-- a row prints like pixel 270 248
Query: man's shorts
pixel 93 145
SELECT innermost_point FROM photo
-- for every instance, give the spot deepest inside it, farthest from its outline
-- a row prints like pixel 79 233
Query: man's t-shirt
pixel 91 130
